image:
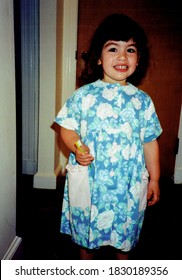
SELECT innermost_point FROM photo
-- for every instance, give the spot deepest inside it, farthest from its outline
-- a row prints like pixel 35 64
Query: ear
pixel 99 62
pixel 138 59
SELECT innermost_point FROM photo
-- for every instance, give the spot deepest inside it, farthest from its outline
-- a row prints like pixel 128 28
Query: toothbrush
pixel 78 144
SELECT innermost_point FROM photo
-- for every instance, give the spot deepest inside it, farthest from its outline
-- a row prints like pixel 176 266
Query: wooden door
pixel 163 81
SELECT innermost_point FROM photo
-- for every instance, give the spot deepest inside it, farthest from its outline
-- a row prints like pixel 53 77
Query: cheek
pixel 104 65
pixel 107 60
pixel 134 62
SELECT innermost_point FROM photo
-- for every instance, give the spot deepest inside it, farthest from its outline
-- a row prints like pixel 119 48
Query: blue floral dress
pixel 114 121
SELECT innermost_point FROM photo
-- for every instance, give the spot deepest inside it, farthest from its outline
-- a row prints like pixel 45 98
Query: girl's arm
pixel 69 138
pixel 151 153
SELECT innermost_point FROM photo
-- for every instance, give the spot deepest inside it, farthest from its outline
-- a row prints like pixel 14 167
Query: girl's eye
pixel 112 50
pixel 131 50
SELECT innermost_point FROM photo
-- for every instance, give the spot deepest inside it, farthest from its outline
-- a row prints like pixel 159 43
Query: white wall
pixel 7 128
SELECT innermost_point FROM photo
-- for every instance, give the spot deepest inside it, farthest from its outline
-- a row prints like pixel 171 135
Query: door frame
pixel 178 162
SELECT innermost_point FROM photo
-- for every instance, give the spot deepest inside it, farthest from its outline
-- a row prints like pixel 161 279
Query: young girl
pixel 110 180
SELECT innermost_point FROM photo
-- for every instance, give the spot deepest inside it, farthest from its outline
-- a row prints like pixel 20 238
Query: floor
pixel 38 221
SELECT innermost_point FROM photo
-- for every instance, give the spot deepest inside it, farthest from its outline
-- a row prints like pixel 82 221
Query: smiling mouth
pixel 120 67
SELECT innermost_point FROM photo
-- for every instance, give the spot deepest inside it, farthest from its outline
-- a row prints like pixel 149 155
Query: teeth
pixel 121 67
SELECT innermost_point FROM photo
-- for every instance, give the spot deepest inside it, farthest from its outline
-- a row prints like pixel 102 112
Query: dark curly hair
pixel 117 27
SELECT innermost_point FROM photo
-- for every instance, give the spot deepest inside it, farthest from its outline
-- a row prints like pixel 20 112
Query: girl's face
pixel 119 60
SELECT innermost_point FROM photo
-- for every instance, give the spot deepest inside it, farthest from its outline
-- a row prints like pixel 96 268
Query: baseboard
pixel 45 181
pixel 12 248
pixel 178 176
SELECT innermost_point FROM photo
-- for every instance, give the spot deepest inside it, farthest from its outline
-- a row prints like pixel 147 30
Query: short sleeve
pixel 69 115
pixel 151 127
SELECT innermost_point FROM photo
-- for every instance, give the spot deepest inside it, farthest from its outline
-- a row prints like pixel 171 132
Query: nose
pixel 122 56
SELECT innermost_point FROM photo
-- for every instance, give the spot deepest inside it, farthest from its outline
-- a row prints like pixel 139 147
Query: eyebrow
pixel 117 44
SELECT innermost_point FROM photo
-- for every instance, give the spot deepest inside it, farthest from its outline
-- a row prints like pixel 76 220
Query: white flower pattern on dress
pixel 104 111
pixel 148 113
pixel 136 102
pixel 110 94
pixel 105 220
pixel 83 130
pixel 88 102
pixel 70 124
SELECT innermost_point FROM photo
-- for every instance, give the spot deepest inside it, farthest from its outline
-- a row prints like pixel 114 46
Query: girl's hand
pixel 84 158
pixel 153 192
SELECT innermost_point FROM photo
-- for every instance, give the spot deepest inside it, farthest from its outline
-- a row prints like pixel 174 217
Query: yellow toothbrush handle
pixel 78 144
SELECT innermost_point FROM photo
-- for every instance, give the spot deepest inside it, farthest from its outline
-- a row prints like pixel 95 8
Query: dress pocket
pixel 143 190
pixel 78 186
